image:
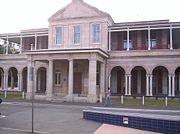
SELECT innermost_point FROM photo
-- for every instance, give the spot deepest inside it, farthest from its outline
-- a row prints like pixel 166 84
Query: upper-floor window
pixel 77 34
pixel 96 33
pixel 153 43
pixel 59 34
pixel 125 44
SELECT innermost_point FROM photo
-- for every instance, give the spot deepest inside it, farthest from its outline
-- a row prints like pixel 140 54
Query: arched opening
pixel 12 78
pixel 177 81
pixel 117 83
pixel 24 78
pixel 1 78
pixel 41 80
pixel 138 76
pixel 160 81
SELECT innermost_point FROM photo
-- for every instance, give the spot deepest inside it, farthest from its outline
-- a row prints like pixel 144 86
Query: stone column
pixel 147 85
pixel 30 80
pixel 92 81
pixel 5 80
pixel 150 86
pixel 169 93
pixel 19 81
pixel 102 81
pixel 50 81
pixel 173 85
pixel 109 80
pixel 126 85
pixel 70 80
pixel 35 80
pixel 129 91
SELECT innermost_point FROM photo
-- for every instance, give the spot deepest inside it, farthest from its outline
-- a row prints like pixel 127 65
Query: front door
pixel 77 83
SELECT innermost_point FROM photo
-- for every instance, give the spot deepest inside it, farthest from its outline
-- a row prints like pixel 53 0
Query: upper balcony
pixel 144 36
pixel 17 43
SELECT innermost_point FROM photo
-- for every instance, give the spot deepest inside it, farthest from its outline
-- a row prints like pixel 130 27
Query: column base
pixel 69 98
pixel 28 96
pixel 49 97
pixel 92 99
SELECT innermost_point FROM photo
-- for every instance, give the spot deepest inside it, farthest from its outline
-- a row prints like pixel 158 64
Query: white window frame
pixel 76 34
pixel 94 41
pixel 61 35
pixel 57 78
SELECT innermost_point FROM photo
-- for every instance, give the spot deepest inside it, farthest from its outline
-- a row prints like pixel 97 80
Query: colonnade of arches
pixel 139 82
pixel 15 80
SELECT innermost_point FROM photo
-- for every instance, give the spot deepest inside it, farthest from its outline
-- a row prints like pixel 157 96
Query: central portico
pixel 74 75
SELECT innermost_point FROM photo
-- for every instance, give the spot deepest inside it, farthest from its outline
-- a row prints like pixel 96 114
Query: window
pixel 153 43
pixel 57 78
pixel 96 33
pixel 77 34
pixel 125 44
pixel 58 35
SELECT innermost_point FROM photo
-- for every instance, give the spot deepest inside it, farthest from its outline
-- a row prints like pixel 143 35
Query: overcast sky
pixel 16 15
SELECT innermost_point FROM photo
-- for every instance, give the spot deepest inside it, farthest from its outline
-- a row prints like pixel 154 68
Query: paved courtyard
pixel 49 119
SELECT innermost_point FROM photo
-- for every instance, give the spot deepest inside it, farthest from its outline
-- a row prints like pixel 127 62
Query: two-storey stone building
pixel 83 52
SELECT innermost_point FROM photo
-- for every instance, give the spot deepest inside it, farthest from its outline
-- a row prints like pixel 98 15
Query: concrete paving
pixel 49 119
pixel 57 118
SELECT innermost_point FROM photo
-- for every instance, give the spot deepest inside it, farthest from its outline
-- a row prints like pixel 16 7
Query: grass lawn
pixel 147 102
pixel 11 96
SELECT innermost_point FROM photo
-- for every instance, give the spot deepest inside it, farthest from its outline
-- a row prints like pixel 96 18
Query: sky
pixel 16 15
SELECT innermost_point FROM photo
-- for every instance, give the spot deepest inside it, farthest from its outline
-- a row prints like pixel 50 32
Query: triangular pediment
pixel 77 9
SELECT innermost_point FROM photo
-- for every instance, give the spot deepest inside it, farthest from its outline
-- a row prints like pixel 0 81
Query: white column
pixel 35 41
pixel 109 80
pixel 109 40
pixel 126 86
pixel 20 45
pixel 5 80
pixel 92 80
pixel 30 80
pixel 169 93
pixel 150 92
pixel 50 80
pixel 128 39
pixel 129 92
pixel 149 38
pixel 171 38
pixel 70 81
pixel 18 84
pixel 173 84
pixel 102 80
pixel 7 44
pixel 35 80
pixel 147 85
